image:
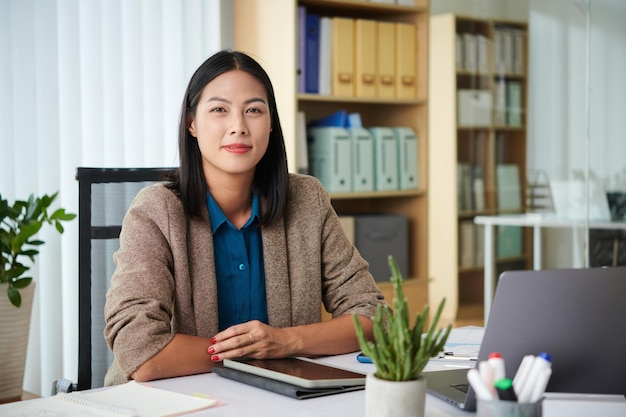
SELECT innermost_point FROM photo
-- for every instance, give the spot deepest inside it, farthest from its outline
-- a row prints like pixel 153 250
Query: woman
pixel 235 256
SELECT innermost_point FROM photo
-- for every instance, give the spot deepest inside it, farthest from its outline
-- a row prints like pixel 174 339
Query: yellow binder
pixel 385 45
pixel 406 51
pixel 365 57
pixel 343 56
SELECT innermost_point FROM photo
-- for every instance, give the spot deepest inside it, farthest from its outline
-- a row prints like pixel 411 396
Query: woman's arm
pixel 184 355
pixel 257 340
pixel 188 355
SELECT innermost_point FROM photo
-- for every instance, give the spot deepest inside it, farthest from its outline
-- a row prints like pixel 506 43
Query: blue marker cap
pixel 545 356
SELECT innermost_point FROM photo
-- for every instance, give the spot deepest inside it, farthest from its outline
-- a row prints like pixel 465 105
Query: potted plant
pixel 19 223
pixel 400 353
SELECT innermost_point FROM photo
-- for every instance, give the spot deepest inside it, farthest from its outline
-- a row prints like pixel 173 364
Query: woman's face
pixel 232 125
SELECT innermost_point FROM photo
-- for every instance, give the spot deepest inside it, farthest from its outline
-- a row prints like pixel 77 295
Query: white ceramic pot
pixel 14 328
pixel 394 399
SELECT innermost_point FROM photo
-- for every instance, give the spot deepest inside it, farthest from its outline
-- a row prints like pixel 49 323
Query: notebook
pixel 130 399
pixel 576 315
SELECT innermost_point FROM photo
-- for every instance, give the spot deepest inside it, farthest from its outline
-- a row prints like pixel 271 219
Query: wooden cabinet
pixel 478 130
pixel 268 31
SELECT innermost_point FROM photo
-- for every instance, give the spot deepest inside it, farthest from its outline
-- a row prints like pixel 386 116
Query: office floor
pixel 470 315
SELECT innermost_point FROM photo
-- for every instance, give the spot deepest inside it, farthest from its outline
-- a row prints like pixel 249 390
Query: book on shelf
pixel 470 52
pixel 507 50
pixel 470 187
pixel 301 49
pixel 385 45
pixel 362 154
pixel 466 243
pixel 482 55
pixel 513 103
pixel 502 50
pixel 365 57
pixel 329 150
pixel 499 102
pixel 325 57
pixel 385 159
pixel 479 240
pixel 471 244
pixel 518 52
pixel 509 241
pixel 508 187
pixel 312 53
pixel 408 174
pixel 342 57
pixel 478 187
pixel 406 83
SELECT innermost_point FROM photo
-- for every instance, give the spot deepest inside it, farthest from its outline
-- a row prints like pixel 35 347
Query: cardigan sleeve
pixel 140 300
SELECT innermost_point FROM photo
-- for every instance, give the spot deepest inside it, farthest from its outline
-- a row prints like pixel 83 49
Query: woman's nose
pixel 238 126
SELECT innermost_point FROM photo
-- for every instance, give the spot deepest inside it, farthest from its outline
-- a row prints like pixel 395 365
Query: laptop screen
pixel 576 315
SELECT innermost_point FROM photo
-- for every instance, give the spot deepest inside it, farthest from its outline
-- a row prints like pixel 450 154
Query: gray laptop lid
pixel 576 315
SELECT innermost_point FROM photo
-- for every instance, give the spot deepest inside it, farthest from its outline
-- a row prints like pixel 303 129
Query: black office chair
pixel 104 196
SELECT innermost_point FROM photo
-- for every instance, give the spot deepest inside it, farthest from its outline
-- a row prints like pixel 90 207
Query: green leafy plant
pixel 18 224
pixel 400 352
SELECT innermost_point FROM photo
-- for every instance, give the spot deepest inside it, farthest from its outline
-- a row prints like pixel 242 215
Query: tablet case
pixel 279 387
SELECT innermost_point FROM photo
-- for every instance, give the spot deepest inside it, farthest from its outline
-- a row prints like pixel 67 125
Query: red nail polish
pixel 214 340
pixel 211 350
pixel 215 358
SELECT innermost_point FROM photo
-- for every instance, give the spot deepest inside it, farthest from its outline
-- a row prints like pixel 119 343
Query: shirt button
pixel 242 267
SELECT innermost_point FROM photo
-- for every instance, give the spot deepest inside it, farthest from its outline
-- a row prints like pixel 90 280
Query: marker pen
pixel 522 372
pixel 497 363
pixel 504 387
pixel 541 362
pixel 479 386
pixel 486 372
pixel 540 386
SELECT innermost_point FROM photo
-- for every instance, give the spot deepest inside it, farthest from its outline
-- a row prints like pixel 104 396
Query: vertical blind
pixel 89 83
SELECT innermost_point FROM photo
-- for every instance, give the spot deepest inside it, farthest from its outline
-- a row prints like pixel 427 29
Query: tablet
pixel 298 371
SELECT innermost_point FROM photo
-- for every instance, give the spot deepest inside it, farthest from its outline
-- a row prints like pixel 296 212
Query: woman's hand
pixel 255 339
pixel 252 339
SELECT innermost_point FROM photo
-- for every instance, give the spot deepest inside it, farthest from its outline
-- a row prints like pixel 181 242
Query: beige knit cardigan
pixel 164 282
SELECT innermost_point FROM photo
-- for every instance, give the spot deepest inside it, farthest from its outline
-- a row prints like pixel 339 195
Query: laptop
pixel 575 315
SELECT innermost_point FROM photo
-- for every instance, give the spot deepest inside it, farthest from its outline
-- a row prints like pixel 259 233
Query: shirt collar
pixel 218 218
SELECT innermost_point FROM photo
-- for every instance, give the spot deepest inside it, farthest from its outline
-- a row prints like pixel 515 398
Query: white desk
pixel 537 222
pixel 237 399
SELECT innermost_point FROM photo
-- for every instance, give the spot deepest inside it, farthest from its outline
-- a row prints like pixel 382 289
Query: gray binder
pixel 362 159
pixel 385 159
pixel 408 177
pixel 329 157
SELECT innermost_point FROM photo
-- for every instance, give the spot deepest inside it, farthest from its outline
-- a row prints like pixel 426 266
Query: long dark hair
pixel 271 179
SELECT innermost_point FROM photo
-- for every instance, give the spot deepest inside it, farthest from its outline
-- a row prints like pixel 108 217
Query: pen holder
pixel 486 408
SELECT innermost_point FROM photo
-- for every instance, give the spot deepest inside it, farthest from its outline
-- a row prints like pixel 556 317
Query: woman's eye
pixel 254 110
pixel 218 110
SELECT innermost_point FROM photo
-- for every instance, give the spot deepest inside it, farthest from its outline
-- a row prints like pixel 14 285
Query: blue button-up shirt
pixel 238 266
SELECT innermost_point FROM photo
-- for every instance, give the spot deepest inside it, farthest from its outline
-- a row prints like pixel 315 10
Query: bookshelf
pixel 478 117
pixel 268 31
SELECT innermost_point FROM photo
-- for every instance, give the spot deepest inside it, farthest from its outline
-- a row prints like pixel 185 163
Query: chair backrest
pixel 104 196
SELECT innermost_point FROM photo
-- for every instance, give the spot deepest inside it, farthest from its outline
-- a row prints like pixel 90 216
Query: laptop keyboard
pixel 461 387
